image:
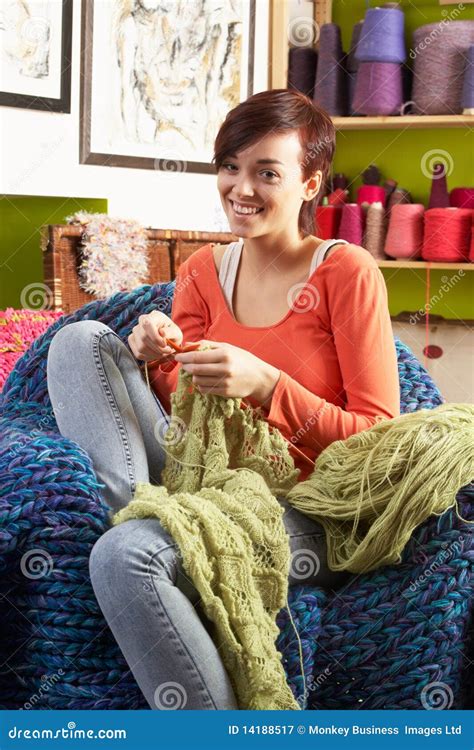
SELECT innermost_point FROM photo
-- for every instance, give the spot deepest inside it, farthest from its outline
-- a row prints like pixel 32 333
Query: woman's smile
pixel 244 211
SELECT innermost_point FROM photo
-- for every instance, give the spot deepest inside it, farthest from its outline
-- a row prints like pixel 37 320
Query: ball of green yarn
pixel 373 489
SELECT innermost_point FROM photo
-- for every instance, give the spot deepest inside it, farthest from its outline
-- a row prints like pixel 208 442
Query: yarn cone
pixel 439 196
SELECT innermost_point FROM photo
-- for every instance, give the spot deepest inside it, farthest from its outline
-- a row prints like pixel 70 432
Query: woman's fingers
pixel 151 333
pixel 155 345
pixel 209 382
pixel 141 350
pixel 154 337
pixel 148 339
pixel 206 370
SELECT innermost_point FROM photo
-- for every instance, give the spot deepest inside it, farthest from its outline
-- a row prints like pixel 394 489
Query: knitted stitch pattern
pixel 229 530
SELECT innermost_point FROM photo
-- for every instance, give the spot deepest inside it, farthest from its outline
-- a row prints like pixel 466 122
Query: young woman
pixel 299 326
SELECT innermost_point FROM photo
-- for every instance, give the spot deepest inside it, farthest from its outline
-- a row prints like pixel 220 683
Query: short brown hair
pixel 278 111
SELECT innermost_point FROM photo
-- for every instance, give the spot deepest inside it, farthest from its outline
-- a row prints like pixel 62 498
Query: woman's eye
pixel 265 172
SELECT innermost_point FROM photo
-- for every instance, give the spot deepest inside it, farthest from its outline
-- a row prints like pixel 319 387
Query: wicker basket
pixel 167 249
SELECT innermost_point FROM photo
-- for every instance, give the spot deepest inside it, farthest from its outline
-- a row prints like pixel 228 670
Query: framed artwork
pixel 159 77
pixel 35 54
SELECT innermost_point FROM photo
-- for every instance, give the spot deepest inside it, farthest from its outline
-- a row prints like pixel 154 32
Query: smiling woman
pixel 294 325
pixel 283 131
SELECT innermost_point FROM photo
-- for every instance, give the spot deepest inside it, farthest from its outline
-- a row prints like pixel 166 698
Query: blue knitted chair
pixel 379 642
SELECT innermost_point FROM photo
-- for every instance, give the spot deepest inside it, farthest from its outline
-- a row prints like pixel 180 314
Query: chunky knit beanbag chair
pixel 393 638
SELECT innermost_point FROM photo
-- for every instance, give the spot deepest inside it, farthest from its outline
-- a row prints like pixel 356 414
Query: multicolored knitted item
pixel 18 329
pixel 382 641
pixel 114 253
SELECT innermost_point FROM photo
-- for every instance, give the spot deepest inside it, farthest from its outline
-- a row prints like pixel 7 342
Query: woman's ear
pixel 312 186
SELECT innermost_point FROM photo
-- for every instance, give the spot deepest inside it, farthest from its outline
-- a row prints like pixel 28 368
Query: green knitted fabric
pixel 225 468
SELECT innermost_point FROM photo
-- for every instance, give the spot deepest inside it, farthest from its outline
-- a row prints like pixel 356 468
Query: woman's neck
pixel 262 254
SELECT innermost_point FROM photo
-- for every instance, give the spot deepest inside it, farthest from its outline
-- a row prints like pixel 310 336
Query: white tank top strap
pixel 231 258
pixel 228 269
pixel 320 253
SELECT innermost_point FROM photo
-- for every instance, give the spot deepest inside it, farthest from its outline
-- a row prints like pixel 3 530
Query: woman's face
pixel 266 176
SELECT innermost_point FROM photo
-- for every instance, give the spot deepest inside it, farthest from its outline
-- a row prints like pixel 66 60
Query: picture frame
pixel 35 55
pixel 163 118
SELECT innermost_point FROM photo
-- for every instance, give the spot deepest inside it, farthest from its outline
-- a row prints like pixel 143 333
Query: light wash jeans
pixel 102 402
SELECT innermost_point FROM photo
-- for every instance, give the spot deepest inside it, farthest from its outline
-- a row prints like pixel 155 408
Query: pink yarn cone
pixel 405 231
pixel 351 226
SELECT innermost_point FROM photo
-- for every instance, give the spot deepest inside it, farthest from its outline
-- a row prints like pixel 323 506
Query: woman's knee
pixel 74 336
pixel 71 352
pixel 108 555
pixel 128 555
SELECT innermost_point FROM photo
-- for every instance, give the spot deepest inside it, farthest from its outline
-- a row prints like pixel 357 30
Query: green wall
pixel 21 218
pixel 399 155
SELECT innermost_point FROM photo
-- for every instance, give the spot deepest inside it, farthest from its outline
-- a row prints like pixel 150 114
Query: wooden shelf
pixel 404 121
pixel 415 264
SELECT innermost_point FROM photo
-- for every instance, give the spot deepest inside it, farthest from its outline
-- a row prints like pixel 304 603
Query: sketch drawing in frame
pixel 158 79
pixel 35 54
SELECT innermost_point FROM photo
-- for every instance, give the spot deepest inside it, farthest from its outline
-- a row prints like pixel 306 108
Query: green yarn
pixel 217 500
pixel 225 468
pixel 371 491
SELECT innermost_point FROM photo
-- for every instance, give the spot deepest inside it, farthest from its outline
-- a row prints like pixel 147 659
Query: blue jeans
pixel 102 402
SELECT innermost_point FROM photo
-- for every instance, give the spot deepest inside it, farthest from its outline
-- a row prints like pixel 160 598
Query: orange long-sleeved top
pixel 334 348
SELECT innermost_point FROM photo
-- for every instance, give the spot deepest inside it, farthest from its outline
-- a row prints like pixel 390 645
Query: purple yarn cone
pixel 302 63
pixel 330 86
pixel 382 38
pixel 468 81
pixel 378 89
pixel 352 61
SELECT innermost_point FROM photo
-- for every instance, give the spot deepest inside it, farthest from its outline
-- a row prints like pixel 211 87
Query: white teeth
pixel 245 210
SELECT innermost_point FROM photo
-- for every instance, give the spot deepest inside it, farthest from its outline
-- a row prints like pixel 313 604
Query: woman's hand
pixel 227 370
pixel 147 339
